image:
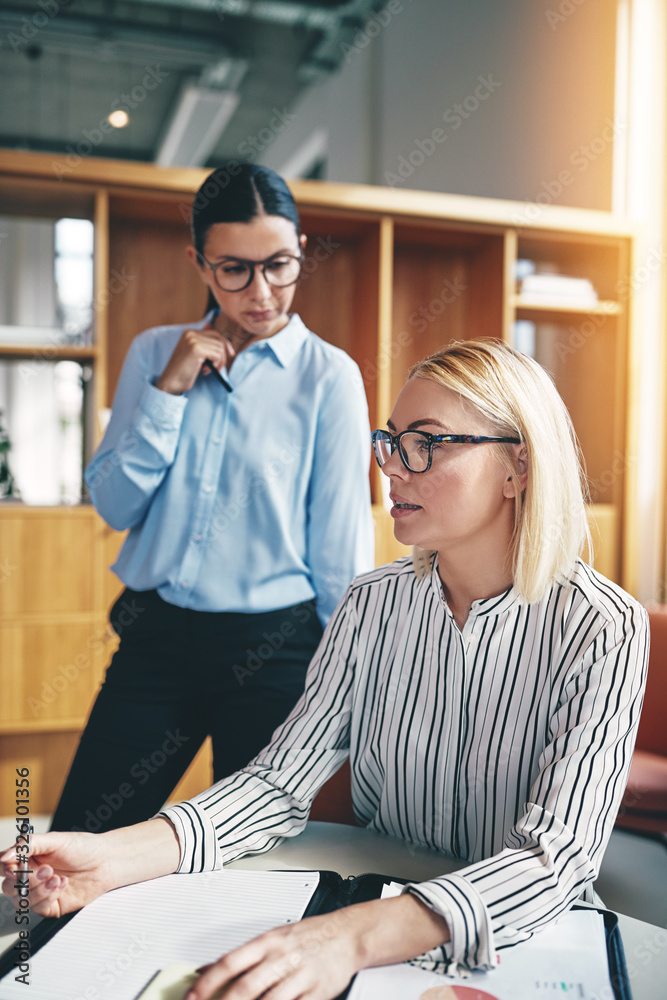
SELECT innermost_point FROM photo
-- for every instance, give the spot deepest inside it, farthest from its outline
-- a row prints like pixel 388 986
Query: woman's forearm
pixel 395 930
pixel 144 851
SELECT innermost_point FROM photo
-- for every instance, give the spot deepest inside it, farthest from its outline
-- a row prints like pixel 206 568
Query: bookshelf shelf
pixel 404 274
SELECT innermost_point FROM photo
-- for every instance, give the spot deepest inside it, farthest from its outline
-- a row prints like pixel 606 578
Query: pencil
pixel 223 381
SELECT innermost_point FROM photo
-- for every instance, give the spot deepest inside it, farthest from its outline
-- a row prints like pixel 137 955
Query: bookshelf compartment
pixel 57 669
pixel 443 291
pixel 374 259
pixel 601 261
pixel 586 364
pixel 155 284
pixel 338 294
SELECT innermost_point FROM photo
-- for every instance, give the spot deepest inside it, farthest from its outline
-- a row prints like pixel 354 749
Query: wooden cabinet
pixel 390 276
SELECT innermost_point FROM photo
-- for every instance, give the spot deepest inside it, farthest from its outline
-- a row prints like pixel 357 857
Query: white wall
pixel 552 95
pixel 342 105
pixel 551 89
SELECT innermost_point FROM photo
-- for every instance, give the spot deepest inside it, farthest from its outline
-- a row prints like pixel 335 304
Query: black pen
pixel 223 381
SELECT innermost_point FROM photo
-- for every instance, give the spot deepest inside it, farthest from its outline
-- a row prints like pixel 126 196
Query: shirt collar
pixel 285 344
pixel 489 607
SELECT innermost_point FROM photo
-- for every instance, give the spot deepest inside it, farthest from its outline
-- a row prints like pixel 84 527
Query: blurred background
pixel 550 102
pixel 535 103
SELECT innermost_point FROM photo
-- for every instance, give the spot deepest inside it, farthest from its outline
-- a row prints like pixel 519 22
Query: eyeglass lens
pixel 413 447
pixel 232 276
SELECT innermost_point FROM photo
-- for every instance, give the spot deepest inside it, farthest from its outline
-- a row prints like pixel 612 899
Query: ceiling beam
pixel 74 35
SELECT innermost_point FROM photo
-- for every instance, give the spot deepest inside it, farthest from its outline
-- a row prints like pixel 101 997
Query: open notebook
pixel 125 945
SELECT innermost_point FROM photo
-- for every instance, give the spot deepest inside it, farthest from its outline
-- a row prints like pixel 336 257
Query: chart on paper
pixel 568 960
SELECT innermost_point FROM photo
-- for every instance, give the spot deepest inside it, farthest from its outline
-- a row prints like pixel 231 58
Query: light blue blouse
pixel 249 500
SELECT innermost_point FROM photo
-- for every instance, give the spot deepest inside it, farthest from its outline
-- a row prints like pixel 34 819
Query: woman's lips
pixel 402 508
pixel 398 512
pixel 260 317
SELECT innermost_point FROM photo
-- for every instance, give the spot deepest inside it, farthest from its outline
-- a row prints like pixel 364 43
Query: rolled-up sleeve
pixel 555 848
pixel 340 532
pixel 253 810
pixel 138 447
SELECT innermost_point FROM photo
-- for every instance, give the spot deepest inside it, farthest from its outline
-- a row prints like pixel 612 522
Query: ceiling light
pixel 197 123
pixel 119 119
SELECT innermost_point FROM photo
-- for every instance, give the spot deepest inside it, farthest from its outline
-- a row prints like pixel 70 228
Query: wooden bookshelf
pixel 390 276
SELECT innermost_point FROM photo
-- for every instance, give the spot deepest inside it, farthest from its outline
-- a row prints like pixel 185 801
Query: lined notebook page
pixel 113 947
pixel 568 960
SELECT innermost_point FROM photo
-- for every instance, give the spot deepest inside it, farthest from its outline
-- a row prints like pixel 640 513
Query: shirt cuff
pixel 471 937
pixel 164 409
pixel 196 836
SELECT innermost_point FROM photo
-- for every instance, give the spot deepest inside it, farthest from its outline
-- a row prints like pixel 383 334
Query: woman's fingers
pixel 247 972
pixel 190 353
pixel 42 893
pixel 64 871
pixel 288 963
pixel 250 985
pixel 220 349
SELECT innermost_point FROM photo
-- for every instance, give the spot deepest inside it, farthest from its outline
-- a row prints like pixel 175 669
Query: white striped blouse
pixel 506 744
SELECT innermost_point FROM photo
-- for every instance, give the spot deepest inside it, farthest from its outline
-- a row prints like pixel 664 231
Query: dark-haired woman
pixel 248 512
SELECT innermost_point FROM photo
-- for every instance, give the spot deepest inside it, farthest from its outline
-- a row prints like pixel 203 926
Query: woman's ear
pixel 193 257
pixel 521 475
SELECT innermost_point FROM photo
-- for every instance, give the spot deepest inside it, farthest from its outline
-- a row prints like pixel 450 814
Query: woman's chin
pixel 408 534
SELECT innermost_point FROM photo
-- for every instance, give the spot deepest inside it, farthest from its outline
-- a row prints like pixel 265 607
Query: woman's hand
pixel 192 349
pixel 68 870
pixel 316 958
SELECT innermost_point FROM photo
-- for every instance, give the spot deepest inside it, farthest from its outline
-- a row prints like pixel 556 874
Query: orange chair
pixel 644 805
pixel 333 802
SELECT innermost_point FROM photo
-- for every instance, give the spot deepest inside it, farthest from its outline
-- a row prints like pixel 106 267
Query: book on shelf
pixel 557 290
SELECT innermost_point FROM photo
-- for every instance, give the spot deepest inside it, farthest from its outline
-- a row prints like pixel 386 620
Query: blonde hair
pixel 516 395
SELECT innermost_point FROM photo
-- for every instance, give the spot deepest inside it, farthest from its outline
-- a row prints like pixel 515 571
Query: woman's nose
pixel 259 286
pixel 394 466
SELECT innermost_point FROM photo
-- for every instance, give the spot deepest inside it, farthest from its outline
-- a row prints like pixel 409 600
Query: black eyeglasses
pixel 416 447
pixel 233 274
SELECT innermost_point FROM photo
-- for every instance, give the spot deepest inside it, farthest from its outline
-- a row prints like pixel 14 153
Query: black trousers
pixel 177 677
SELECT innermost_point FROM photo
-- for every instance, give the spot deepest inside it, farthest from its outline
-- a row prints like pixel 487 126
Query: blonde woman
pixel 487 692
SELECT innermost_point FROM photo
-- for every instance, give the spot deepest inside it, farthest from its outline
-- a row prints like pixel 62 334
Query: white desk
pixel 351 850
